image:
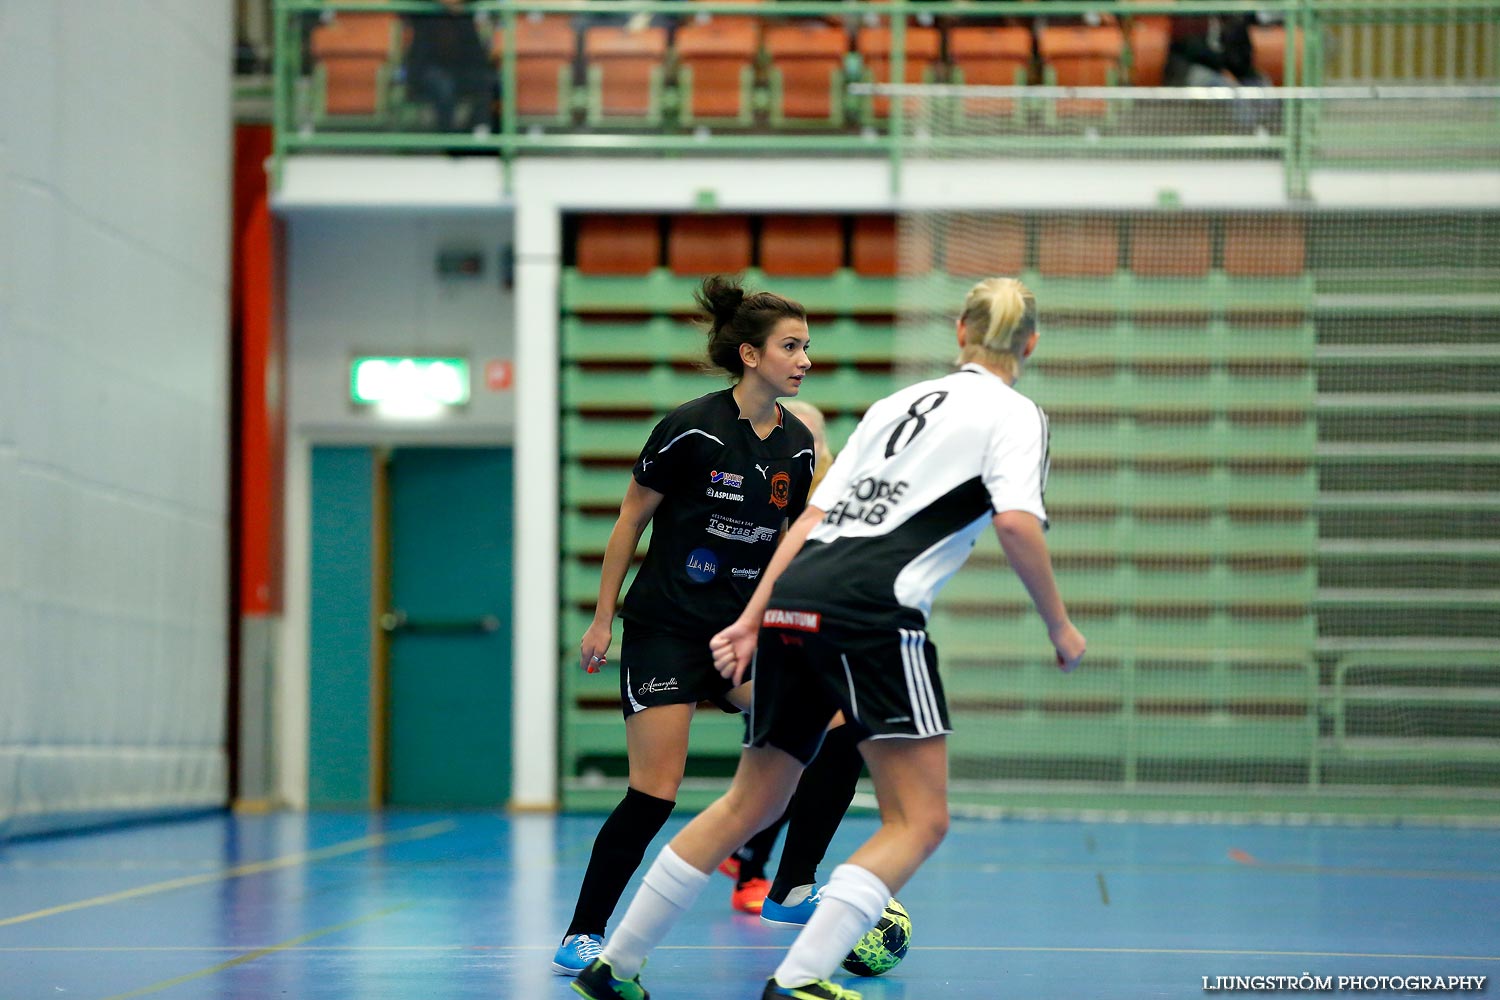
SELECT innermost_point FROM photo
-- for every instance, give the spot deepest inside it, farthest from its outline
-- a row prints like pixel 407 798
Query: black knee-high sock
pixel 817 807
pixel 757 851
pixel 618 851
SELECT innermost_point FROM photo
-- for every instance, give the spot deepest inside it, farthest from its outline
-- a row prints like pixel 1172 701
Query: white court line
pixel 1010 949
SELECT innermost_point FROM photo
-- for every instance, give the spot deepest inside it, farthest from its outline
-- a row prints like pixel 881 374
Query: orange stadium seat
pixel 807 60
pixel 708 244
pixel 717 56
pixel 1264 246
pixel 354 52
pixel 809 246
pixel 546 47
pixel 625 69
pixel 1080 55
pixel 990 56
pixel 1177 246
pixel 1150 40
pixel 983 246
pixel 924 47
pixel 618 244
pixel 879 249
pixel 1268 45
pixel 1070 247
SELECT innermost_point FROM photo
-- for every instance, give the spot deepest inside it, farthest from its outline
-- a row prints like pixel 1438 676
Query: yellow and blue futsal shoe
pixel 820 990
pixel 598 982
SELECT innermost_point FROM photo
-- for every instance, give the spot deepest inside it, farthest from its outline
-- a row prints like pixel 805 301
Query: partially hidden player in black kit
pixel 720 479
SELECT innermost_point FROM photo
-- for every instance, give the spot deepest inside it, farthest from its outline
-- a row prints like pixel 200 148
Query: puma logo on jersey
pixel 762 469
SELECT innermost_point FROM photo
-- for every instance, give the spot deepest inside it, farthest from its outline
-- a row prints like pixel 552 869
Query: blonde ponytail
pixel 999 315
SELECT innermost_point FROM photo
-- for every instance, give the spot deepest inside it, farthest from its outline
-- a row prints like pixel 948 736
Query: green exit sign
pixel 409 384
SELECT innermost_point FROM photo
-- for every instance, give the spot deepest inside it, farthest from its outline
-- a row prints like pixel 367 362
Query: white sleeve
pixel 1015 463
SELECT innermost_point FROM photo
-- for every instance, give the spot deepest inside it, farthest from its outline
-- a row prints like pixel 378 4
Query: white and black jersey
pixel 906 498
pixel 726 495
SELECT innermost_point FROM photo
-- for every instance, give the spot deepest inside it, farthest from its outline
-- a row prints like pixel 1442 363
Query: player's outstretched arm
pixel 636 511
pixel 1025 547
pixel 733 647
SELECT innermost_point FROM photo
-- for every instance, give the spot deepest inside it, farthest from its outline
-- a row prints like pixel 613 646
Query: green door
pixel 448 627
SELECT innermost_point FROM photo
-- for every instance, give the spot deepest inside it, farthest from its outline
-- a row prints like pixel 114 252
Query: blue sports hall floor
pixel 402 905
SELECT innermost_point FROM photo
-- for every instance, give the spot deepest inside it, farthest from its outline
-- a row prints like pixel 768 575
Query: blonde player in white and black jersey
pixel 719 479
pixel 838 623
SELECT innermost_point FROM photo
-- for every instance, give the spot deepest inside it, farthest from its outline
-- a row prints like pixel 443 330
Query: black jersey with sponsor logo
pixel 726 494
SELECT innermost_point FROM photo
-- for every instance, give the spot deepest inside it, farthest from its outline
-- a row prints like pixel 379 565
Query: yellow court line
pixel 193 948
pixel 258 953
pixel 1246 860
pixel 238 871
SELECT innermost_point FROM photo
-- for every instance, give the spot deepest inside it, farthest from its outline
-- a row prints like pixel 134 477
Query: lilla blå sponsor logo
pixel 702 565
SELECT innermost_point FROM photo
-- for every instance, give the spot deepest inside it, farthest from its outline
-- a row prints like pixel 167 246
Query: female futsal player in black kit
pixel 720 479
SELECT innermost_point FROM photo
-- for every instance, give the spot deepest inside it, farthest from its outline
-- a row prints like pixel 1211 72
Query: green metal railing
pixel 1467 32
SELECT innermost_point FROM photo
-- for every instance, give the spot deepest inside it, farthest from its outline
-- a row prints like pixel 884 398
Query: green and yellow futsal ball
pixel 884 945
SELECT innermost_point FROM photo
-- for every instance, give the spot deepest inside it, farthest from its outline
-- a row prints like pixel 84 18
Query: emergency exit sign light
pixel 409 385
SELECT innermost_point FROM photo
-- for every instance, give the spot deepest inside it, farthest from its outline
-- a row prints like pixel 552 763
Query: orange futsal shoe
pixel 750 897
pixel 730 866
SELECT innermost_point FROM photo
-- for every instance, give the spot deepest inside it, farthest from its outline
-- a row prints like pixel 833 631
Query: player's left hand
pixel 732 649
pixel 1070 646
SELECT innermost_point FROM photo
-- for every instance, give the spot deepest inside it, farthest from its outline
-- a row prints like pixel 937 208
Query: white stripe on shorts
pixel 849 679
pixel 634 705
pixel 919 656
pixel 924 705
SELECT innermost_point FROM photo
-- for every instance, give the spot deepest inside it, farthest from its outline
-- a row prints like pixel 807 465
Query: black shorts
pixel 807 667
pixel 665 668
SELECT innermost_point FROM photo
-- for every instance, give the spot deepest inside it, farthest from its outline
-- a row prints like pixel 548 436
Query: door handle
pixel 397 621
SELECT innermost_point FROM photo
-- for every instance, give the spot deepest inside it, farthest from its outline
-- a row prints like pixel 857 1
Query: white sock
pixel 850 904
pixel 667 892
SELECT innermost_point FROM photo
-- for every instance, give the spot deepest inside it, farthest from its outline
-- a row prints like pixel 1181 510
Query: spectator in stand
pixel 446 66
pixel 1218 51
pixel 1213 51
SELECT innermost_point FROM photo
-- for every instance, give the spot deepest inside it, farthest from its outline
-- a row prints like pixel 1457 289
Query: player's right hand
pixel 593 651
pixel 732 649
pixel 1070 646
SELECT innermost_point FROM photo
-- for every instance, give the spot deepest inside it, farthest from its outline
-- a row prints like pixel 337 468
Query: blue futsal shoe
pixel 793 916
pixel 575 953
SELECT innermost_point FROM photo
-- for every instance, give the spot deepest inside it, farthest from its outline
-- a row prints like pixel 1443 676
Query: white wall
pixel 114 213
pixel 365 282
